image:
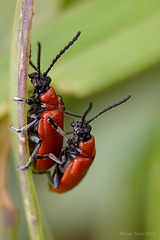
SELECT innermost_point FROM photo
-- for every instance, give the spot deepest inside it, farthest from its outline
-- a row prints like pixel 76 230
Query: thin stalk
pixel 19 71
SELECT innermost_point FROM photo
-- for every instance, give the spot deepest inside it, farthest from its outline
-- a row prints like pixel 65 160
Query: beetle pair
pixel 45 129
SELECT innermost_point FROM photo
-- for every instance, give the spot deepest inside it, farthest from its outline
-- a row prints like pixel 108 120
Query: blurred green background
pixel 117 54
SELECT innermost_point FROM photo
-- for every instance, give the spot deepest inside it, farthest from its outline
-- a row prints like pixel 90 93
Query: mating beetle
pixel 78 155
pixel 45 102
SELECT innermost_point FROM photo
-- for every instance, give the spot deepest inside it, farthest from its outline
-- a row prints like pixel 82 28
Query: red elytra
pixel 52 141
pixel 77 169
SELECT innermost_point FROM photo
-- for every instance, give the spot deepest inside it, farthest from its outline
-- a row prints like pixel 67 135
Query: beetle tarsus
pixel 32 158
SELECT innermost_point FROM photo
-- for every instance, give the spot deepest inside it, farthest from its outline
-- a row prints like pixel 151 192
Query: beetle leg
pixel 58 129
pixel 56 177
pixel 50 178
pixel 34 137
pixel 28 101
pixel 25 128
pixel 51 156
pixel 54 158
pixel 42 157
pixel 54 180
pixel 32 157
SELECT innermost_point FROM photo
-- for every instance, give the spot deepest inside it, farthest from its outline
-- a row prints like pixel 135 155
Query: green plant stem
pixel 19 71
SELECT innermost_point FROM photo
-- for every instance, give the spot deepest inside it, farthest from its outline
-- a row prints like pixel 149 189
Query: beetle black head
pixel 40 83
pixel 81 130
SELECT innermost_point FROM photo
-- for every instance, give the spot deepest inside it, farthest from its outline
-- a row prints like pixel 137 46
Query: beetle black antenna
pixel 61 53
pixel 30 61
pixel 86 112
pixel 39 60
pixel 109 108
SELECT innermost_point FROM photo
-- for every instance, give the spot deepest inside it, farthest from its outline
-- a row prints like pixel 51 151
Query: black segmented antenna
pixel 108 108
pixel 30 61
pixel 39 60
pixel 86 112
pixel 61 53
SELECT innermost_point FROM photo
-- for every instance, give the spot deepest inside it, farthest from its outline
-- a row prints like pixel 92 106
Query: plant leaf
pixel 118 41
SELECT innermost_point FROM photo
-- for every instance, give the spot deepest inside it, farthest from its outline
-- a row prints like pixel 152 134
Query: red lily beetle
pixel 43 138
pixel 78 155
